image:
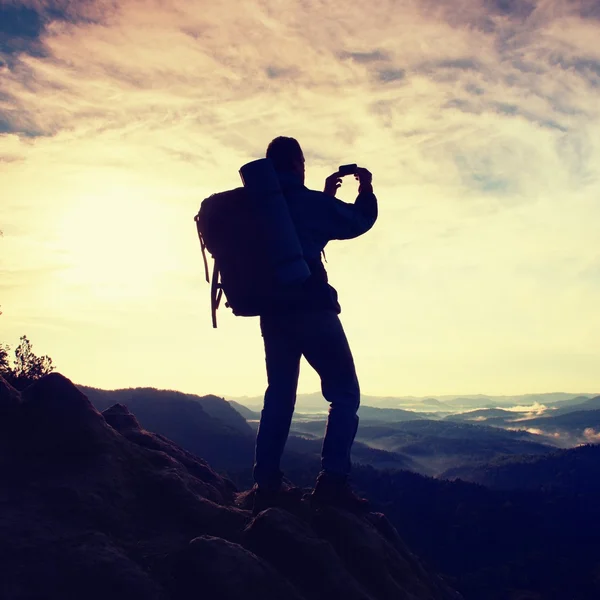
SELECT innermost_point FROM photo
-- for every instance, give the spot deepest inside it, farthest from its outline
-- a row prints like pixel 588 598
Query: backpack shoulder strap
pixel 202 247
pixel 216 289
pixel 216 293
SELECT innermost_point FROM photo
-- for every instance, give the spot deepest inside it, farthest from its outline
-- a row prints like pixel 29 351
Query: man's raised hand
pixel 332 183
pixel 365 179
pixel 363 175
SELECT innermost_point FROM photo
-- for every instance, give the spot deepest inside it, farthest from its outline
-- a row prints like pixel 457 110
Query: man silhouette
pixel 305 322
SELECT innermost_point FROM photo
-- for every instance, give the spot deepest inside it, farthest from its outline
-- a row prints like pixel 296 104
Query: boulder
pixel 56 418
pixel 163 452
pixel 381 563
pixel 119 418
pixel 227 571
pixel 73 565
pixel 304 558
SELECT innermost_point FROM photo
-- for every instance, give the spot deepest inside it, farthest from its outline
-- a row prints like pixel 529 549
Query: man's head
pixel 286 154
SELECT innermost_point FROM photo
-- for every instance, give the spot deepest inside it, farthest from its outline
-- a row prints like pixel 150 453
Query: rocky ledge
pixel 92 506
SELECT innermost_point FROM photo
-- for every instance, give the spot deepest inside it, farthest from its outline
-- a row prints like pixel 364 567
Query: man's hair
pixel 284 151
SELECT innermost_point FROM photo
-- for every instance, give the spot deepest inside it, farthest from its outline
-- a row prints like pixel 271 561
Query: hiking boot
pixel 285 496
pixel 334 491
pixel 264 497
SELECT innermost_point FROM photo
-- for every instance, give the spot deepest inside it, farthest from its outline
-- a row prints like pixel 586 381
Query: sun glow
pixel 115 242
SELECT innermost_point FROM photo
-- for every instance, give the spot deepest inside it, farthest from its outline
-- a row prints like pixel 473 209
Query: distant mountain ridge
pixel 572 422
pixel 208 426
pixel 430 447
pixel 578 404
pixel 483 415
pixel 211 427
pixel 572 469
pixel 315 402
pixel 572 401
pixel 247 413
pixel 213 406
pixel 392 415
pixel 584 414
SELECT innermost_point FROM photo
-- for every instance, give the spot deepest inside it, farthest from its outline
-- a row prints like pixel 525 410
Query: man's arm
pixel 344 220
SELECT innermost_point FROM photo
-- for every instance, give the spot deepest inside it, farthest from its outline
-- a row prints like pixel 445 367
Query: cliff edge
pixel 93 506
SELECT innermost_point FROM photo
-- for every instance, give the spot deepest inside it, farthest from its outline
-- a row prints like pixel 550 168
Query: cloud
pixel 519 9
pixel 554 435
pixel 460 64
pixel 528 411
pixel 535 431
pixel 388 75
pixel 366 57
pixel 23 24
pixel 12 121
pixel 20 31
pixel 591 435
pixel 586 9
pixel 5 126
pixel 278 72
pixel 587 68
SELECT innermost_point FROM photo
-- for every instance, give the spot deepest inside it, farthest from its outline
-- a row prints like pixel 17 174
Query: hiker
pixel 304 322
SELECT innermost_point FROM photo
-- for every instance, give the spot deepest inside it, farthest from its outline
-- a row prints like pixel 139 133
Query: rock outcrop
pixel 205 425
pixel 92 506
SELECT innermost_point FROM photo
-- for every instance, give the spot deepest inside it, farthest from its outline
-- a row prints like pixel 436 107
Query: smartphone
pixel 347 170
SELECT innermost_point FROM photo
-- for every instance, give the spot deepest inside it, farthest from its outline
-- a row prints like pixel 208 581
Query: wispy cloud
pixel 553 436
pixel 528 411
pixel 366 57
pixel 591 435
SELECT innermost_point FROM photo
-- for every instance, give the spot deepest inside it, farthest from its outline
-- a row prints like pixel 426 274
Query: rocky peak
pixel 119 418
pixel 94 506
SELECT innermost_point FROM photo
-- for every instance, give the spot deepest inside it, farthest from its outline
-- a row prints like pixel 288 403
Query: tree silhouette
pixel 4 362
pixel 27 367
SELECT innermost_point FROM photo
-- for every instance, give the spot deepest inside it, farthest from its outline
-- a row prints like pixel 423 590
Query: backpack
pixel 251 237
pixel 228 229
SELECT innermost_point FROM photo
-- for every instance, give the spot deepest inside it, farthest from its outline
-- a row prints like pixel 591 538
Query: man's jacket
pixel 320 218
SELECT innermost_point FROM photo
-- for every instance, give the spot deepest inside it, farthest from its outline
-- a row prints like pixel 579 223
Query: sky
pixel 479 120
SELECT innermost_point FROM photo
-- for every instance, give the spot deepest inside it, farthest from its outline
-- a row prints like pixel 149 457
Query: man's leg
pixel 282 355
pixel 326 348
